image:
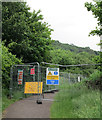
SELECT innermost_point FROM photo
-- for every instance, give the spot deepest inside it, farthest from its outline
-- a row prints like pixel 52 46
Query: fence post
pixel 39 94
pixel 34 74
pixel 11 81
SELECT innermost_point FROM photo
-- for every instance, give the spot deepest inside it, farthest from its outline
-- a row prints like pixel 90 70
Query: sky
pixel 70 21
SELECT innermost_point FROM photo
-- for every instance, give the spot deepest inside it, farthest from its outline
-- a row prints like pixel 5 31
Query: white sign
pixel 20 77
pixel 52 76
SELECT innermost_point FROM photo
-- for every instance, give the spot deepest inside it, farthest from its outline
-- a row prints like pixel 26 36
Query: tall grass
pixel 76 101
pixel 6 101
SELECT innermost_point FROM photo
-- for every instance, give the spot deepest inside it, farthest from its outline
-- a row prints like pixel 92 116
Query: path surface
pixel 28 108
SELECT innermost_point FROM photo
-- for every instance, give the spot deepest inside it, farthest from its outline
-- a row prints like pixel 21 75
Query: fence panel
pixel 36 74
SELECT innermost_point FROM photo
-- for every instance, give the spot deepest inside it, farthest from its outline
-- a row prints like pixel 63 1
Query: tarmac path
pixel 28 108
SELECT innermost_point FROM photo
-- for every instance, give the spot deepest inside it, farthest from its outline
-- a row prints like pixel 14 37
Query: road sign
pixel 32 87
pixel 52 76
pixel 32 71
pixel 20 77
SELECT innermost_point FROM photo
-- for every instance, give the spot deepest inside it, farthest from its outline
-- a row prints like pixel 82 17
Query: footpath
pixel 28 108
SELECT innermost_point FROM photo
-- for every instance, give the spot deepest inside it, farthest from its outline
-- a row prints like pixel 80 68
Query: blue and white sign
pixel 52 76
pixel 52 82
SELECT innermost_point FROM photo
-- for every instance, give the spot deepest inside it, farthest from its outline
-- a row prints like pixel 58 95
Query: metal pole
pixel 39 94
pixel 70 65
pixel 11 84
pixel 34 74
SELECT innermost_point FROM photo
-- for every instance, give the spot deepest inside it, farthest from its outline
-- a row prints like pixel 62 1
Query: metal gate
pixel 21 77
pixel 20 74
pixel 34 73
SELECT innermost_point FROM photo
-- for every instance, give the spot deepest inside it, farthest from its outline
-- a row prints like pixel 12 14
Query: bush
pixel 94 80
pixel 7 61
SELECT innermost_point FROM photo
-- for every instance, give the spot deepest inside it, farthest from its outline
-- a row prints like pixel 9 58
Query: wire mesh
pixel 16 88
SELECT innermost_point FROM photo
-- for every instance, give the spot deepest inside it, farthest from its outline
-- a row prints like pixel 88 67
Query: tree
pixel 24 33
pixel 7 61
pixel 96 9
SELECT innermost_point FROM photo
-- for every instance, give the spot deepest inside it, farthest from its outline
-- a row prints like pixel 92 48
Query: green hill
pixel 73 48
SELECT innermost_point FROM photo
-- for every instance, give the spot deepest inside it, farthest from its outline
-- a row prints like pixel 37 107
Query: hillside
pixel 73 48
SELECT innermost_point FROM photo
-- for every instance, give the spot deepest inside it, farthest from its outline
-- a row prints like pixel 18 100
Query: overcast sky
pixel 70 20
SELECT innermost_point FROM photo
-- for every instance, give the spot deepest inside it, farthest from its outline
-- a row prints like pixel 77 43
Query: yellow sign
pixel 49 73
pixel 53 77
pixel 32 87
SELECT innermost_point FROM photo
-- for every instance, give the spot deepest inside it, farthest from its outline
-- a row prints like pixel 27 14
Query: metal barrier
pixel 30 79
pixel 18 81
pixel 30 76
pixel 70 78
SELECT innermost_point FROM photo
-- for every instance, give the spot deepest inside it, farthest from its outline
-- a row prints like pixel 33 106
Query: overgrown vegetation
pixel 76 101
pixel 94 81
pixel 8 59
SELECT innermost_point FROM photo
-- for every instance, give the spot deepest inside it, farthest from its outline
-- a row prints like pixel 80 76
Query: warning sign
pixel 32 71
pixel 49 73
pixel 32 87
pixel 20 77
pixel 52 76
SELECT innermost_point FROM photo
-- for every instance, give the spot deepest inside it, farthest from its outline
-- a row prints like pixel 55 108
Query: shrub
pixel 8 59
pixel 94 80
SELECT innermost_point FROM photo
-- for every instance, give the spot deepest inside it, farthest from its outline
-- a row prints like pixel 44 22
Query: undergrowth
pixel 76 101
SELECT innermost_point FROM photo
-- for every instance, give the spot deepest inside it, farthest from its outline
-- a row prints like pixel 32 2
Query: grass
pixel 6 102
pixel 76 101
pixel 17 95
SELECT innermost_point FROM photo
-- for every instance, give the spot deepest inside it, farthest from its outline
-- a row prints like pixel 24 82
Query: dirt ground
pixel 28 108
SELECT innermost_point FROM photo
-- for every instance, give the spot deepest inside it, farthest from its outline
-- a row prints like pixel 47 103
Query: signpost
pixel 52 76
pixel 20 77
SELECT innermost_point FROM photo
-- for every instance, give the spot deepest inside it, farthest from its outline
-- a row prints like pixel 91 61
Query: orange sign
pixel 53 77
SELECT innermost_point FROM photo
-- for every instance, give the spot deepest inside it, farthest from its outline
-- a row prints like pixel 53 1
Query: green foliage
pixel 59 56
pixel 96 9
pixel 25 33
pixel 7 61
pixel 73 48
pixel 95 76
pixel 94 80
pixel 63 54
pixel 76 101
pixel 6 101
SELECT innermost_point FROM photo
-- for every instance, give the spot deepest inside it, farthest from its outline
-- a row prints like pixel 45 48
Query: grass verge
pixel 6 101
pixel 17 95
pixel 76 101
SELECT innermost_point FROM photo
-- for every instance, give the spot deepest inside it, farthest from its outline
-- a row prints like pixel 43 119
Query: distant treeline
pixel 74 48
